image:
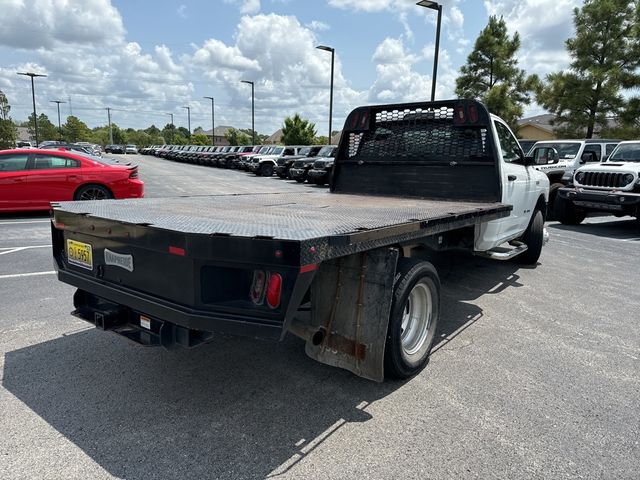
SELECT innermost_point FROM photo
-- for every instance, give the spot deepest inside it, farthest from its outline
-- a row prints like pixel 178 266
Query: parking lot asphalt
pixel 536 374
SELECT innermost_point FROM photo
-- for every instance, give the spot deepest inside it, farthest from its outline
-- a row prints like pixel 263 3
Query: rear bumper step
pixel 505 253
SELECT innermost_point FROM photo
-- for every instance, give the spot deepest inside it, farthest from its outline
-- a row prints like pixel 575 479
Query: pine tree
pixel 492 76
pixel 605 60
pixel 298 131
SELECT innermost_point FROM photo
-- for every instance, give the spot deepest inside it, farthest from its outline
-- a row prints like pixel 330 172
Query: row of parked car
pixel 124 149
pixel 303 163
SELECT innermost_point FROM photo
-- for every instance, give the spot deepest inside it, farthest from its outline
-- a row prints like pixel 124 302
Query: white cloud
pixel 457 17
pixel 543 25
pixel 182 11
pixel 362 5
pixel 47 23
pixel 317 26
pixel 248 7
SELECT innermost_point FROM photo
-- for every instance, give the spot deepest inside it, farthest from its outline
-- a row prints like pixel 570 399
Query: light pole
pixel 434 6
pixel 213 123
pixel 171 115
pixel 253 125
pixel 333 54
pixel 33 96
pixel 110 130
pixel 188 119
pixel 59 126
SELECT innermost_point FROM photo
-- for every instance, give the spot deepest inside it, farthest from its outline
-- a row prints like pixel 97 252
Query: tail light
pixel 134 173
pixel 266 286
pixel 274 290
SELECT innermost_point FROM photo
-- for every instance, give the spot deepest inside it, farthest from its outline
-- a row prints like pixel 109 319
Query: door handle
pixel 18 180
pixel 511 178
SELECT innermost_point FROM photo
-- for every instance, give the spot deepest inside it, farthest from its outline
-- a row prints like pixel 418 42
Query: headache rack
pixel 426 150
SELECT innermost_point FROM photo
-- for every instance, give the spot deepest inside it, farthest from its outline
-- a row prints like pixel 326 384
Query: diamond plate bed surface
pixel 284 216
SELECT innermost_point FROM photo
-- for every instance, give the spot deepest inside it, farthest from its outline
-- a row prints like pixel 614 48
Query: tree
pixel 260 137
pixel 8 129
pixel 298 131
pixel 238 137
pixel 5 108
pixel 605 59
pixel 200 139
pixel 75 130
pixel 492 76
pixel 321 140
pixel 46 129
pixel 628 123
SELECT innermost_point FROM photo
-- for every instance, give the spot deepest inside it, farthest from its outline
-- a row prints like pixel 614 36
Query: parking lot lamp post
pixel 333 55
pixel 434 6
pixel 110 129
pixel 188 119
pixel 33 96
pixel 213 123
pixel 59 126
pixel 253 125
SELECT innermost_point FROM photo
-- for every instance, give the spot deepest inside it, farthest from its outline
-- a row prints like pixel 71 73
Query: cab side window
pixel 597 152
pixel 13 163
pixel 45 162
pixel 510 147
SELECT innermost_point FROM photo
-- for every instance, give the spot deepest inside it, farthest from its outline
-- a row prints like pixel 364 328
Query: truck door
pixel 518 187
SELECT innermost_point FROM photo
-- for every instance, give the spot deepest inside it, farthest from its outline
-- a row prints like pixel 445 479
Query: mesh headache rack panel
pixel 424 150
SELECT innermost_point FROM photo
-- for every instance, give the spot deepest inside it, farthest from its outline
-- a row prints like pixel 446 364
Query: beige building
pixel 537 128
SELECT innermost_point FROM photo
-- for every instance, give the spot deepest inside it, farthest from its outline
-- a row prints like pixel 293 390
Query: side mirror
pixel 542 156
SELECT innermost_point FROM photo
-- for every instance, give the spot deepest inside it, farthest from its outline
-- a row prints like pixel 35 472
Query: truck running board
pixel 505 253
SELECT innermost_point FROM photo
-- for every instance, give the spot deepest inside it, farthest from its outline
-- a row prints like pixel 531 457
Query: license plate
pixel 80 254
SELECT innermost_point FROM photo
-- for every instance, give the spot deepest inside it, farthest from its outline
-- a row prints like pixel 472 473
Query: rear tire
pixel 534 239
pixel 93 192
pixel 413 319
pixel 567 213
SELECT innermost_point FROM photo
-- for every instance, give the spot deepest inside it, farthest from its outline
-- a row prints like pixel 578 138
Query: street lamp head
pixel 429 4
pixel 324 47
pixel 210 98
pixel 247 81
pixel 31 74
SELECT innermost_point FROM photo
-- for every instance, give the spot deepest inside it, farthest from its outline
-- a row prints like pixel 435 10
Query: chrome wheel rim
pixel 416 319
pixel 93 194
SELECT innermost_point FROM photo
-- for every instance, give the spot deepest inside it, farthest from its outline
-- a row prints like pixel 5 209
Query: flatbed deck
pixel 342 220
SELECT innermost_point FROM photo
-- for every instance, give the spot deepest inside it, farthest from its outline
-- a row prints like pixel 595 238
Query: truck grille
pixel 603 179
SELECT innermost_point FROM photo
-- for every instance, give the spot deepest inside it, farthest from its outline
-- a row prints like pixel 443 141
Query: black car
pixel 283 164
pixel 299 171
pixel 116 149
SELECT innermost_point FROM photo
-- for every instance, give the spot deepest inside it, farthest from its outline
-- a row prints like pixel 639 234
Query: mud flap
pixel 350 305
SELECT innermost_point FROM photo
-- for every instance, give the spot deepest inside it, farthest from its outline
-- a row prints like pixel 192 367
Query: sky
pixel 145 60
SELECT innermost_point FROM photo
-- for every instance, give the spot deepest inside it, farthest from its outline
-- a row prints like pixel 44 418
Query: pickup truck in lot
pixel 408 178
pixel 283 164
pixel 612 186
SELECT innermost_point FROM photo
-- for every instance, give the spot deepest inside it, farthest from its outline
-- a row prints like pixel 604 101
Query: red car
pixel 30 179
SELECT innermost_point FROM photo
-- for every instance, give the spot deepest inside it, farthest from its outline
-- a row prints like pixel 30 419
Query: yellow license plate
pixel 80 254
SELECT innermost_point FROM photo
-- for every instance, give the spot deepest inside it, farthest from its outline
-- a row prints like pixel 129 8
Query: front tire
pixel 265 170
pixel 533 238
pixel 413 319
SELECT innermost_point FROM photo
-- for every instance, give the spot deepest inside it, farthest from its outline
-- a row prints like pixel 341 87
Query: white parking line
pixel 25 221
pixel 33 274
pixel 6 250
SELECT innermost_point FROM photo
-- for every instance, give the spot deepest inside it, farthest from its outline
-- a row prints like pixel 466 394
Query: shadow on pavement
pixel 622 229
pixel 235 408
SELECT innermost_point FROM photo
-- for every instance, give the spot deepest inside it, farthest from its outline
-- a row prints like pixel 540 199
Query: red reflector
pixel 177 251
pixel 59 226
pixel 257 287
pixel 274 289
pixel 308 268
pixel 458 114
pixel 473 113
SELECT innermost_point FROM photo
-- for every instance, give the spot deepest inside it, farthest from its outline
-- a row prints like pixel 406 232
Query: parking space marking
pixel 32 274
pixel 25 221
pixel 7 250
